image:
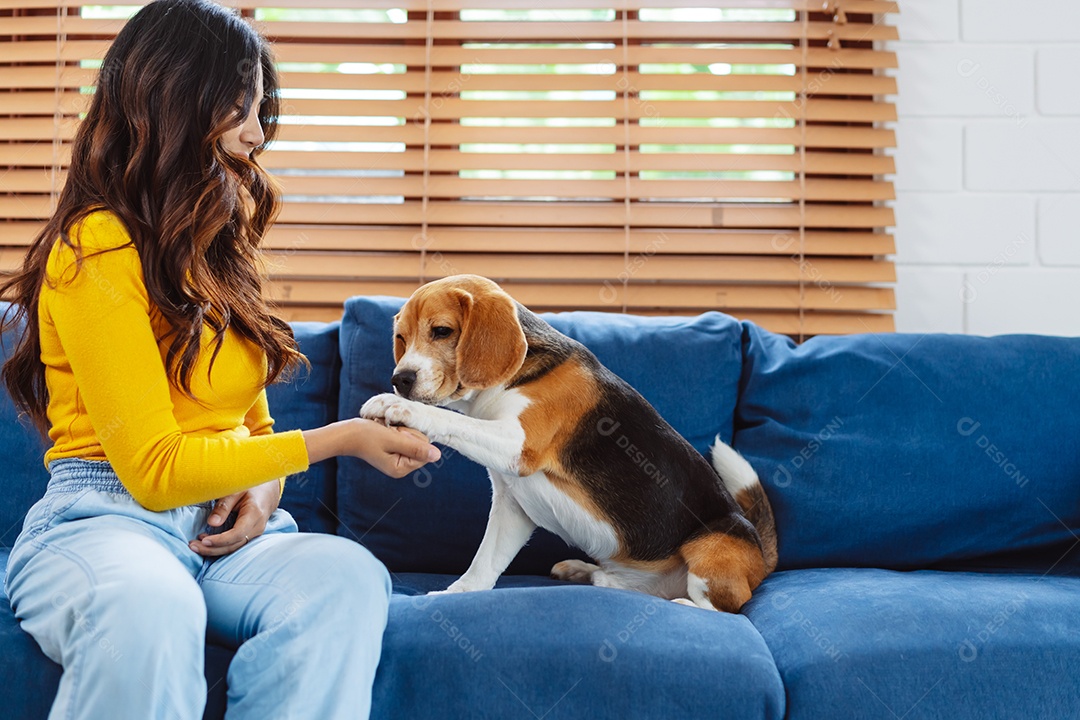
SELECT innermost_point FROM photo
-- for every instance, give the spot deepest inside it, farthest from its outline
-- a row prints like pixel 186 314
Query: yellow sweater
pixel 110 398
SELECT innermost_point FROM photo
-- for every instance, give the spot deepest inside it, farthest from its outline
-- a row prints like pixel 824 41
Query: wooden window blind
pixel 648 156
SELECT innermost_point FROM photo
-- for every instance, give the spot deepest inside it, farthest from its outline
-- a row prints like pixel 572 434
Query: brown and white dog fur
pixel 554 426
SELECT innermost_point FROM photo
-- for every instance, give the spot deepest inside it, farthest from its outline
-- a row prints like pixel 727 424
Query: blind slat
pixel 36 77
pixel 453 160
pixel 293 237
pixel 789 323
pixel 500 31
pixel 850 58
pixel 449 83
pixel 590 295
pixel 30 51
pixel 679 215
pixel 859 6
pixel 659 215
pixel 443 56
pixel 526 266
pixel 454 187
pixel 455 108
pixel 842 137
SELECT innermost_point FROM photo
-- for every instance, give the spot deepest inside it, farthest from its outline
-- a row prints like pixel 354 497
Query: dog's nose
pixel 403 382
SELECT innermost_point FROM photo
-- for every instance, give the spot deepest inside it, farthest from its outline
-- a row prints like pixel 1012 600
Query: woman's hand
pixel 395 451
pixel 253 509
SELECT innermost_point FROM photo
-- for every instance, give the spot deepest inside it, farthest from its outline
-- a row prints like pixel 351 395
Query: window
pixel 650 157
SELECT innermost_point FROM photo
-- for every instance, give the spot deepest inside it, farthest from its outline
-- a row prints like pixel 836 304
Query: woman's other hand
pixel 253 509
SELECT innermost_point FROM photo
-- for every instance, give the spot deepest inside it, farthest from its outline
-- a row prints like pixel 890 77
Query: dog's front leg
pixel 508 529
pixel 495 444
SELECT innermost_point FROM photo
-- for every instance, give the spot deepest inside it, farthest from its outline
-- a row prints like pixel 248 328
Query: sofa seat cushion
pixel 527 649
pixel 433 520
pixel 911 451
pixel 866 643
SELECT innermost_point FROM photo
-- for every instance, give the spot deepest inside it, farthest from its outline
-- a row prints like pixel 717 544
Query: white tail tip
pixel 733 468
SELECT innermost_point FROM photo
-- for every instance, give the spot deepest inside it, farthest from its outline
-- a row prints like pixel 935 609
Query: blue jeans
pixel 111 591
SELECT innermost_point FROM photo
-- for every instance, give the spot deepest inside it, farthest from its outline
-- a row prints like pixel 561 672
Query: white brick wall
pixel 988 167
pixel 1055 78
pixel 932 157
pixel 964 79
pixel 1030 21
pixel 1059 218
pixel 1027 156
pixel 965 228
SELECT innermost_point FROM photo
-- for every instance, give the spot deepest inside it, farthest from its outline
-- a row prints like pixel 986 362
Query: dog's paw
pixel 576 571
pixel 689 603
pixel 376 407
pixel 456 587
pixel 391 409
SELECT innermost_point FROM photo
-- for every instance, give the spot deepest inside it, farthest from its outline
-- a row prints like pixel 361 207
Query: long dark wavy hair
pixel 180 74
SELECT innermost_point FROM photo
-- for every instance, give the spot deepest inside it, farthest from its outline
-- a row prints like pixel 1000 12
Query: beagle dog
pixel 572 448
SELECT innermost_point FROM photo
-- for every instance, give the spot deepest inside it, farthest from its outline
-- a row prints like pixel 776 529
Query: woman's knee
pixel 151 604
pixel 350 575
pixel 129 617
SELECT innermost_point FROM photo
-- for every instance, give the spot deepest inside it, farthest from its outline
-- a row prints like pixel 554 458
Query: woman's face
pixel 248 135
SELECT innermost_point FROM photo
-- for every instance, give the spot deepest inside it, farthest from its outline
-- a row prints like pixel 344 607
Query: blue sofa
pixel 927 494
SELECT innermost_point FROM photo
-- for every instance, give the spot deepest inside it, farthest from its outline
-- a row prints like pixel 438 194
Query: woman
pixel 145 358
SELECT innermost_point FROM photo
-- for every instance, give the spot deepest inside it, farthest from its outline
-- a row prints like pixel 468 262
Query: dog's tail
pixel 745 486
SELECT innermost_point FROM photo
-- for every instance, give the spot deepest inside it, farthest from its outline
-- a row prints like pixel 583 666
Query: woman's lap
pixel 113 588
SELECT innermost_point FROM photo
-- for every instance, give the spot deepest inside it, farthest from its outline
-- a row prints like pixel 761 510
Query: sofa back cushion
pixel 22 473
pixel 432 521
pixel 904 451
pixel 309 400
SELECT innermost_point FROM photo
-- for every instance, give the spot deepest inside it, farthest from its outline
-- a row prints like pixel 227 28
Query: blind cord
pixel 804 46
pixel 424 201
pixel 58 113
pixel 626 156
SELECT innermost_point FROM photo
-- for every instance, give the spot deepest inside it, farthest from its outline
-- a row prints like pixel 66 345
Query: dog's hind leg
pixel 665 578
pixel 722 571
pixel 577 571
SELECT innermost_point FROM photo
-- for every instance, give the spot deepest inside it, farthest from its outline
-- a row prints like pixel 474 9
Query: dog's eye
pixel 400 339
pixel 440 332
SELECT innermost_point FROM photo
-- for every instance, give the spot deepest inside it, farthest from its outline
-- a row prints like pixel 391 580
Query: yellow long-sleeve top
pixel 109 394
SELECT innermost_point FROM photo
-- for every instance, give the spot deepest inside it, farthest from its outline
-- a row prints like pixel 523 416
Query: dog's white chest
pixel 552 509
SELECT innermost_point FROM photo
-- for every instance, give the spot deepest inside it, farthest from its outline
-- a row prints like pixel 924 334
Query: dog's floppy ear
pixel 399 347
pixel 492 346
